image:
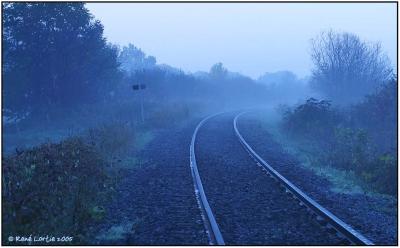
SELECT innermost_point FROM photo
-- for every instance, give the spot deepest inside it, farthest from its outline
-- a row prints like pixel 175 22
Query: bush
pixel 112 139
pixel 350 149
pixel 381 173
pixel 350 143
pixel 54 189
pixel 353 150
pixel 312 120
pixel 377 113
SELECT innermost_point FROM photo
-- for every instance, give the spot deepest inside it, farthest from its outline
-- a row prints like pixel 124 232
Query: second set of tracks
pixel 244 200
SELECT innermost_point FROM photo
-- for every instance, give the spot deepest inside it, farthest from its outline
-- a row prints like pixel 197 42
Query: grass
pixel 116 232
pixel 130 160
pixel 342 181
pixel 29 138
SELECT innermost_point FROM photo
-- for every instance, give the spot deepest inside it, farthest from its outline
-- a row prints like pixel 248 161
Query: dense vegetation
pixel 55 189
pixel 359 138
pixel 55 56
pixel 59 72
pixel 78 69
pixel 60 75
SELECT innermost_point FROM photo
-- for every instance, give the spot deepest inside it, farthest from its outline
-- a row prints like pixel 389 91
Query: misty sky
pixel 251 38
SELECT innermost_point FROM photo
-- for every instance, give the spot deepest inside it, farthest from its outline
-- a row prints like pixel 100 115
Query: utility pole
pixel 140 87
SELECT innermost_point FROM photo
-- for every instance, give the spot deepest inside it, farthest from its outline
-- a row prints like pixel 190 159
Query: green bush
pixel 349 142
pixel 377 113
pixel 112 139
pixel 52 189
pixel 381 174
pixel 350 149
pixel 313 120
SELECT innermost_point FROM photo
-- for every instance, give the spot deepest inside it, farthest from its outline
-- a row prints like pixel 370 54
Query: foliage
pixel 52 51
pixel 53 189
pixel 77 67
pixel 381 173
pixel 285 87
pixel 165 85
pixel 218 71
pixel 112 139
pixel 347 68
pixel 377 113
pixel 312 120
pixel 360 140
pixel 350 149
pixel 133 59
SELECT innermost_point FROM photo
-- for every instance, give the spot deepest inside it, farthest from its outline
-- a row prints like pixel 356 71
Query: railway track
pixel 225 179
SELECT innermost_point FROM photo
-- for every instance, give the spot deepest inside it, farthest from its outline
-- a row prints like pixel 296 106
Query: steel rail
pixel 340 226
pixel 210 223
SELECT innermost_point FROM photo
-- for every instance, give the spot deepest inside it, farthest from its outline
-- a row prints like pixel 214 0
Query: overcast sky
pixel 251 38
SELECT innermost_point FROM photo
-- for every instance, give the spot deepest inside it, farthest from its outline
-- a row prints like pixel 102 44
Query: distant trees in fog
pixel 132 59
pixel 218 71
pixel 346 68
pixel 285 86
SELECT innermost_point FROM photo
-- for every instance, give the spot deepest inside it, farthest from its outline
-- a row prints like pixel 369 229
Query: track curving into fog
pixel 250 207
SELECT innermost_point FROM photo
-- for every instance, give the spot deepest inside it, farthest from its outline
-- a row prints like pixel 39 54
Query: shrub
pixel 313 120
pixel 359 145
pixel 112 139
pixel 350 149
pixel 52 189
pixel 377 113
pixel 381 174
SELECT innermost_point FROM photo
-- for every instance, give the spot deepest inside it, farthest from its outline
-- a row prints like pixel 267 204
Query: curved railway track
pixel 210 223
pixel 220 204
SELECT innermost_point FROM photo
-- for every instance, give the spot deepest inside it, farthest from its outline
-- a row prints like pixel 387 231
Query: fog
pixel 100 101
pixel 248 38
pixel 192 59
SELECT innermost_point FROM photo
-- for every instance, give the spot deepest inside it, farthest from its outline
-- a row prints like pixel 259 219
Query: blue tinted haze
pixel 248 38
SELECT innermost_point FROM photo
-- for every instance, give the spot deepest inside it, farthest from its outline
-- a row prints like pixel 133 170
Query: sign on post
pixel 140 87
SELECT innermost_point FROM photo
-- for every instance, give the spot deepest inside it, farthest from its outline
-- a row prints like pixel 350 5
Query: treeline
pixel 284 87
pixel 59 72
pixel 56 58
pixel 355 127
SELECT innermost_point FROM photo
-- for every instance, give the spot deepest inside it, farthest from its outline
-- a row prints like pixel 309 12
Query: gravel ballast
pixel 250 207
pixel 366 213
pixel 155 204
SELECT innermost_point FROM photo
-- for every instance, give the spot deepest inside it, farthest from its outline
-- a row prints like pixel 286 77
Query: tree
pixel 346 68
pixel 377 113
pixel 218 71
pixel 133 59
pixel 55 55
pixel 285 86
